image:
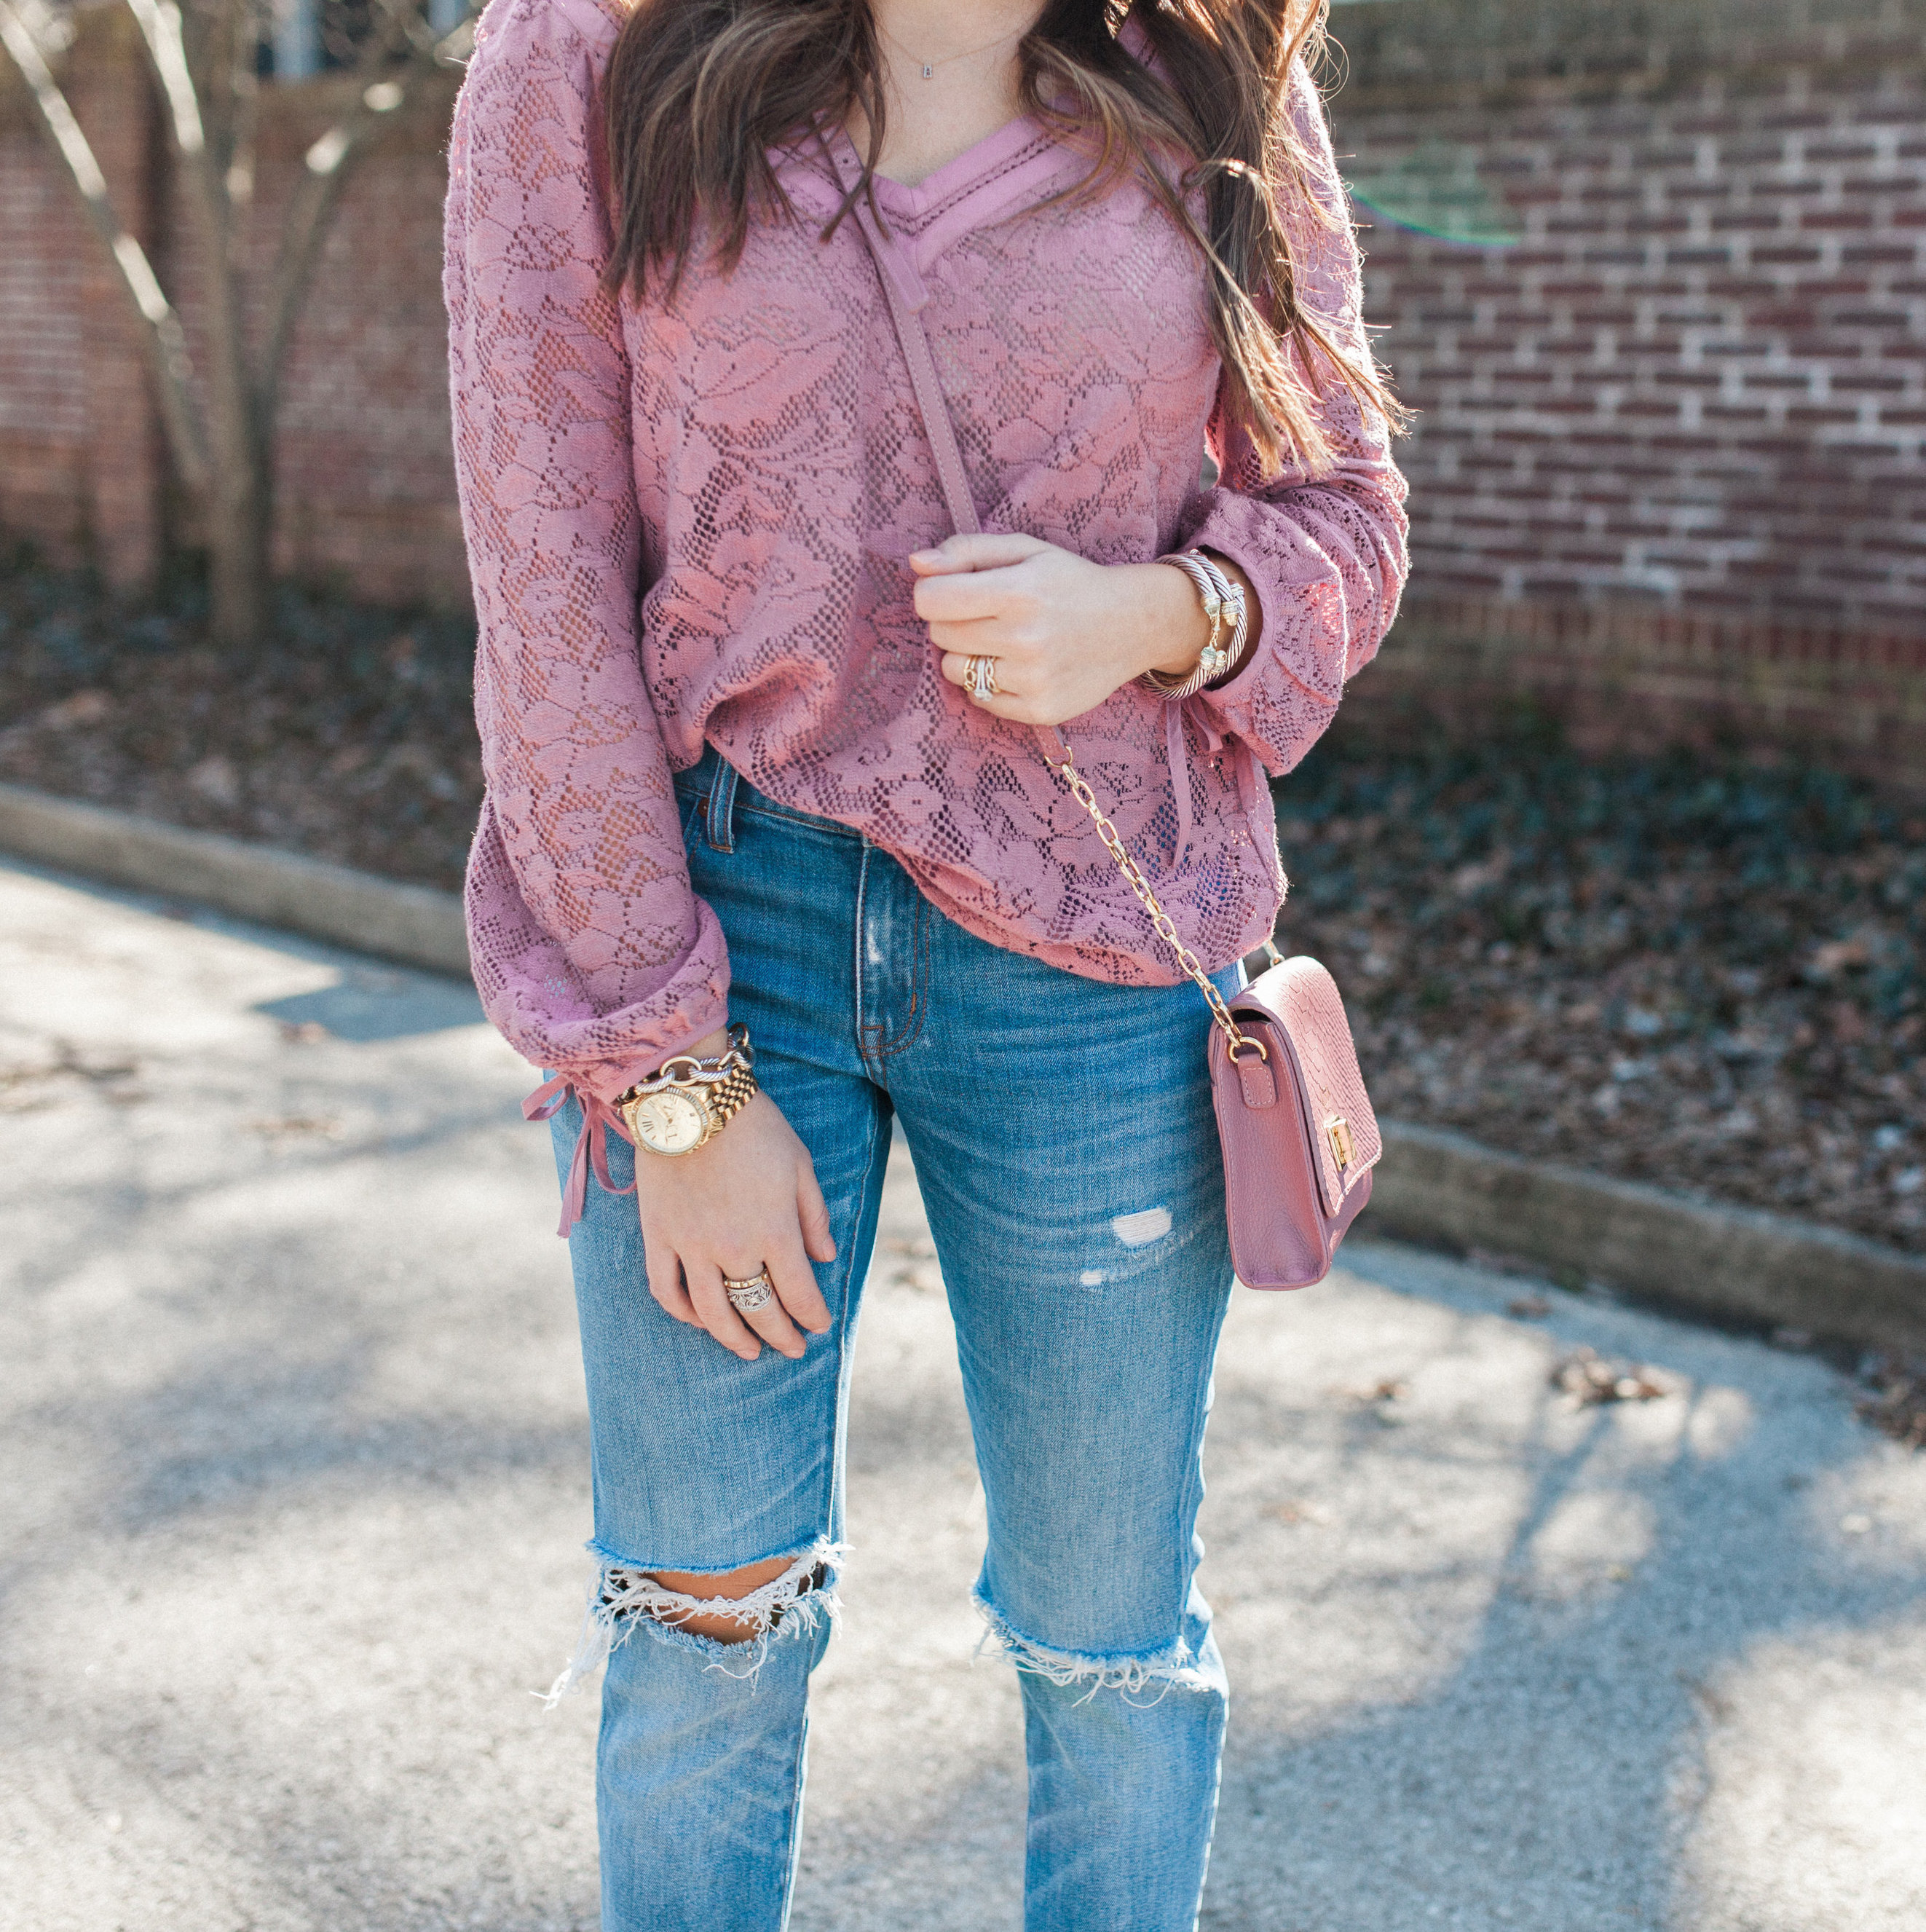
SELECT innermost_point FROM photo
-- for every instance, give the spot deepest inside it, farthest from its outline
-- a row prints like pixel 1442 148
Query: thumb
pixel 812 1214
pixel 987 550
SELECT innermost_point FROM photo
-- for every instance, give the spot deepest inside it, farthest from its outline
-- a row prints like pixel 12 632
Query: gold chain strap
pixel 1235 1041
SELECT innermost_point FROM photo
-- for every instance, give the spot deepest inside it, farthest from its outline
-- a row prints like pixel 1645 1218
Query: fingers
pixel 713 1311
pixel 795 1283
pixel 741 1334
pixel 693 1291
pixel 771 1321
pixel 812 1215
pixel 986 550
pixel 724 1212
pixel 955 666
pixel 984 597
pixel 704 1303
pixel 1013 705
pixel 663 1266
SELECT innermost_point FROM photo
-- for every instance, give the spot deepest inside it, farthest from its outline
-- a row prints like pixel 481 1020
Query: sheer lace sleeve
pixel 1327 557
pixel 592 954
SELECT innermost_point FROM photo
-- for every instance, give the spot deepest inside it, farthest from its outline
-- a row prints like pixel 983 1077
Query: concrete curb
pixel 1433 1186
pixel 415 924
pixel 1734 1264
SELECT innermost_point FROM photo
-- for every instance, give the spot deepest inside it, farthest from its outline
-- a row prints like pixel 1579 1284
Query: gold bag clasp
pixel 1339 1132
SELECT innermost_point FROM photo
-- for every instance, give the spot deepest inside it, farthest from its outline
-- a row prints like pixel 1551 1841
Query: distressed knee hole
pixel 716 1607
pixel 1176 1666
pixel 1140 1229
pixel 726 1614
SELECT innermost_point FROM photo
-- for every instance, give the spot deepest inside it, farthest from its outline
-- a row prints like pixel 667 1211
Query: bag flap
pixel 1302 1001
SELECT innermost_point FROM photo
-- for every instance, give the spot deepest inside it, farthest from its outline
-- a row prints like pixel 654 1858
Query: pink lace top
pixel 688 521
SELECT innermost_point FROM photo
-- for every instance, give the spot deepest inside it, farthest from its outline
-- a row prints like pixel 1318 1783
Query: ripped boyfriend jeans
pixel 1064 1139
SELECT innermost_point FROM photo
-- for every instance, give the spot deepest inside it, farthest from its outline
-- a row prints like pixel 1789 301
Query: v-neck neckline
pixel 1017 162
pixel 961 171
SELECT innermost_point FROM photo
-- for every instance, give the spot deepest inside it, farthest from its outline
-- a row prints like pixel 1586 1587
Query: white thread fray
pixel 1165 1669
pixel 620 1596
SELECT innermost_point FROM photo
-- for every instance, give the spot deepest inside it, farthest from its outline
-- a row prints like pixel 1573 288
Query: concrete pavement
pixel 295 1485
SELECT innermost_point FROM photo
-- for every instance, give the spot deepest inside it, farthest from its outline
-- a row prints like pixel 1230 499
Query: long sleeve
pixel 1327 557
pixel 592 953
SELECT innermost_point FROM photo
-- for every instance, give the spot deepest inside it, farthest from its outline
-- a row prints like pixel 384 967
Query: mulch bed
pixel 349 734
pixel 1705 975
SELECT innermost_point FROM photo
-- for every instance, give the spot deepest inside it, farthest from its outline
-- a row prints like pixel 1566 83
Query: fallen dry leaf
pixel 1296 1510
pixel 1589 1379
pixel 1897 1402
pixel 298 1127
pixel 1379 1395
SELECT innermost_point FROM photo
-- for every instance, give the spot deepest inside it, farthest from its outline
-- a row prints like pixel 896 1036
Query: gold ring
pixel 980 675
pixel 753 1291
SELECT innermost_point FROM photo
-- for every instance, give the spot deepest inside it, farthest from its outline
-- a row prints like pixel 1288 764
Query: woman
pixel 772 852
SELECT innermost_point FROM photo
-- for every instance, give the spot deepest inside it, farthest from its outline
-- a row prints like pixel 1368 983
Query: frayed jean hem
pixel 1176 1666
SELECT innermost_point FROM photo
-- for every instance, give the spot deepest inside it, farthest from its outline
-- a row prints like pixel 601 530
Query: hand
pixel 1065 632
pixel 746 1201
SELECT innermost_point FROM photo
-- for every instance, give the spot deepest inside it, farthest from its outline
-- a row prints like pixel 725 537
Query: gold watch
pixel 687 1101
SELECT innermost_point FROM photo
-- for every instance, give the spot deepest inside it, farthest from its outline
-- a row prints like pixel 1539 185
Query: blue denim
pixel 1063 1136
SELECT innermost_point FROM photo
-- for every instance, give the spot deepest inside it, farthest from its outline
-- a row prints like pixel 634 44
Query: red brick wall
pixel 79 459
pixel 42 387
pixel 1667 478
pixel 1700 378
pixel 365 483
pixel 1667 475
pixel 367 480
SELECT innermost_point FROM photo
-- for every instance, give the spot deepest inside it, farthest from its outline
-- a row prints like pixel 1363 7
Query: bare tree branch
pixel 329 162
pixel 240 471
pixel 221 428
pixel 332 159
pixel 160 327
pixel 220 38
pixel 243 53
pixel 160 21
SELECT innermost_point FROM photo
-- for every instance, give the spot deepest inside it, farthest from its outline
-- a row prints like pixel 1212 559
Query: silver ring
pixel 754 1291
pixel 980 674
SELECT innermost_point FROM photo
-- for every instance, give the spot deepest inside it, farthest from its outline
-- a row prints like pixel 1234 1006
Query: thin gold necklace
pixel 928 68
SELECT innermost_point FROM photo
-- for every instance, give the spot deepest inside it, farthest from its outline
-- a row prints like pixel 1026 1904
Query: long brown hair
pixel 697 90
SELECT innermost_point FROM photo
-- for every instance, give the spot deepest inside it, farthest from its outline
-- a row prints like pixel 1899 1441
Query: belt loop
pixel 720 827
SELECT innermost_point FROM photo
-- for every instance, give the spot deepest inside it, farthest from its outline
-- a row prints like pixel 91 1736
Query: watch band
pixel 695 1073
pixel 728 1097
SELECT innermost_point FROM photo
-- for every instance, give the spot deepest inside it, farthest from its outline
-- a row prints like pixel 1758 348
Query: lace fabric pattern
pixel 688 520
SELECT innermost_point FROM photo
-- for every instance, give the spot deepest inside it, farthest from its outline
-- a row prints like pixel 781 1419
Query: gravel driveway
pixel 296 1482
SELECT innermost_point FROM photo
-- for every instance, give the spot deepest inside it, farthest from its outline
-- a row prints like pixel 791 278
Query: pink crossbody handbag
pixel 1295 1124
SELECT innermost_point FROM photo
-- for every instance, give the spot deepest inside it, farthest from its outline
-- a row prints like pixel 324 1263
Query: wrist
pixel 1225 608
pixel 1176 629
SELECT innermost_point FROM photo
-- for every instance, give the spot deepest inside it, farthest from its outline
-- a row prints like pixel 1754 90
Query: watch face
pixel 670 1122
